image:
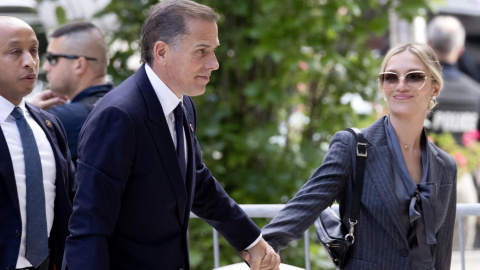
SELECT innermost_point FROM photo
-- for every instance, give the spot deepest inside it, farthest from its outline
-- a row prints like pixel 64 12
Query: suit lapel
pixel 157 124
pixel 49 129
pixel 42 121
pixel 6 167
pixel 436 172
pixel 436 167
pixel 379 165
pixel 6 171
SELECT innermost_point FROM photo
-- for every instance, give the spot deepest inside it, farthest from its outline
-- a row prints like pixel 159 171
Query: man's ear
pixel 160 51
pixel 81 65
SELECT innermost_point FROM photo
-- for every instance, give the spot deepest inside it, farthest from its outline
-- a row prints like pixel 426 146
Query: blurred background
pixel 292 73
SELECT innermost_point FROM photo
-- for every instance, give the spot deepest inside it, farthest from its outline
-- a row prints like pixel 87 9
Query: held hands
pixel 262 257
pixel 48 99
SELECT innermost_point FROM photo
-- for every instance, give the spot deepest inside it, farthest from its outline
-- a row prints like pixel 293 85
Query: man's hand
pixel 262 257
pixel 47 99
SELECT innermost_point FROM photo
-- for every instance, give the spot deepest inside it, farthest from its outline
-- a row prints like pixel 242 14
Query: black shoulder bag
pixel 332 233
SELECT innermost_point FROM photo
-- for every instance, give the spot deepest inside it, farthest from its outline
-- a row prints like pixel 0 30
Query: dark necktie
pixel 37 237
pixel 180 144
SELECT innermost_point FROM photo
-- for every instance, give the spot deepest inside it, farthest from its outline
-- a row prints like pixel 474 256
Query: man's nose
pixel 212 63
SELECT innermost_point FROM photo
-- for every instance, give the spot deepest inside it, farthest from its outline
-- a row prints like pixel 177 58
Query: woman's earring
pixel 434 100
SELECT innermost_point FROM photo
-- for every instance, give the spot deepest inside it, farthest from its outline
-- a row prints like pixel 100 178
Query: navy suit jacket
pixel 10 220
pixel 380 239
pixel 132 207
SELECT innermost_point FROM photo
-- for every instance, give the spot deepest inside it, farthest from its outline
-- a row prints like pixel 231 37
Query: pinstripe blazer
pixel 380 239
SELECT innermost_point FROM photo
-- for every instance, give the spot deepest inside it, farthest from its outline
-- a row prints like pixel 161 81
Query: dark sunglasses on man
pixel 52 58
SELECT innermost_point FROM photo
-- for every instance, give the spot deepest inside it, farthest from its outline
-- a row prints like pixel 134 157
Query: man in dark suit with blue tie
pixel 140 169
pixel 35 166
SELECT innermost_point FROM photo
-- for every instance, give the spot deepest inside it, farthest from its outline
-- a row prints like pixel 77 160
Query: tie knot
pixel 178 110
pixel 17 113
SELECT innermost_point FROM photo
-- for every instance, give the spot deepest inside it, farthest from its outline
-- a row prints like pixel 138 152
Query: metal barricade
pixel 270 210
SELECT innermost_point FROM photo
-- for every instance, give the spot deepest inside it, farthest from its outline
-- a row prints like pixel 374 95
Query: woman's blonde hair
pixel 428 57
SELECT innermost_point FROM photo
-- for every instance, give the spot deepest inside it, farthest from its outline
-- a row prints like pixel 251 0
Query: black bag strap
pixel 361 156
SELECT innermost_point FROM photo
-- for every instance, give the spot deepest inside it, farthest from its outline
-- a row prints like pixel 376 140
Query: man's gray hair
pixel 167 21
pixel 445 34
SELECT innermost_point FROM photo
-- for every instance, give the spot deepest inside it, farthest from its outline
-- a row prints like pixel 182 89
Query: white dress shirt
pixel 169 102
pixel 12 136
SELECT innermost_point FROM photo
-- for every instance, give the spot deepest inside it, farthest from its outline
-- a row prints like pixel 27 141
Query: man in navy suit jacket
pixel 136 184
pixel 19 63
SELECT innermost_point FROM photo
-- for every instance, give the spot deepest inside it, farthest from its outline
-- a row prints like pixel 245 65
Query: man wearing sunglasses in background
pixel 76 65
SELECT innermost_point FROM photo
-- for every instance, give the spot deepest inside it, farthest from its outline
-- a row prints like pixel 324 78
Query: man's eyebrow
pixel 202 45
pixel 13 42
pixel 17 42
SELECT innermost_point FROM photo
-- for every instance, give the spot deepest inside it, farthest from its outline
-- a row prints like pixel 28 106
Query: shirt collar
pixel 167 98
pixel 93 90
pixel 6 108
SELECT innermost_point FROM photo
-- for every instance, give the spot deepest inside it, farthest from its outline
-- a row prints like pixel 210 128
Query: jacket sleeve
pixel 101 179
pixel 213 205
pixel 320 191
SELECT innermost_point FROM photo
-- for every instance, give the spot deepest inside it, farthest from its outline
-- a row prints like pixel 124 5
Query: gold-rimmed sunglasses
pixel 414 80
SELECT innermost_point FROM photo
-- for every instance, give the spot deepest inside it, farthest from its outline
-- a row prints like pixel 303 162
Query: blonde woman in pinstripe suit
pixel 408 202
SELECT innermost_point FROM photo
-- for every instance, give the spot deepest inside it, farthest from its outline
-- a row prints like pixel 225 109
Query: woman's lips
pixel 402 97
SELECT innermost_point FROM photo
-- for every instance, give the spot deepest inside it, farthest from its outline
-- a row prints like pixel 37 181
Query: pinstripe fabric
pixel 380 240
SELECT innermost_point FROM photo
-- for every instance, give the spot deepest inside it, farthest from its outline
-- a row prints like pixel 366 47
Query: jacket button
pixel 18 234
pixel 404 252
pixel 180 269
pixel 8 268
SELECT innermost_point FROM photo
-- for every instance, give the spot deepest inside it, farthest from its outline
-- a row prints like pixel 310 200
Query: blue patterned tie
pixel 180 144
pixel 37 237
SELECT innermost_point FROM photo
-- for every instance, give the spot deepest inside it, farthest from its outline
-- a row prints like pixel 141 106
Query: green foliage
pixel 279 60
pixel 130 15
pixel 61 15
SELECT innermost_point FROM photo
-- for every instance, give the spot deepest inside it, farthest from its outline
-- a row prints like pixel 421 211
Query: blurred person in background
pixel 458 105
pixel 76 65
